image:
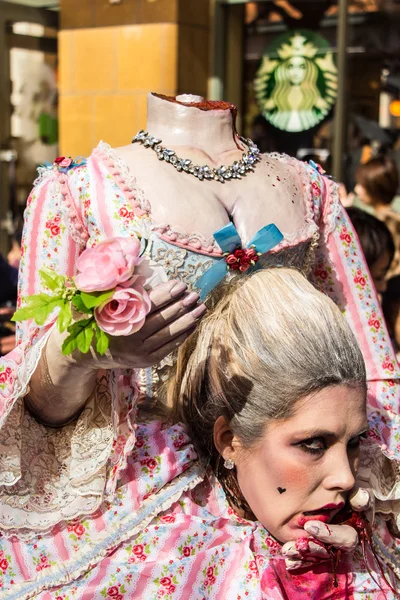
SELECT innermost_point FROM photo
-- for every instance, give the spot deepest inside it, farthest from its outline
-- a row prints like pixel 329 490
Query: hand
pixel 173 316
pixel 307 551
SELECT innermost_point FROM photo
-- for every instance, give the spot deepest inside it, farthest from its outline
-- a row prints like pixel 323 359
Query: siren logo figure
pixel 296 83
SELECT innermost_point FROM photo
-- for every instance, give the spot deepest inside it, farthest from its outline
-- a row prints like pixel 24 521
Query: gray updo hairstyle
pixel 271 340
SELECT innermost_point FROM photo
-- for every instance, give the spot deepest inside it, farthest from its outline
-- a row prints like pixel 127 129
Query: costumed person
pixel 272 389
pixel 68 421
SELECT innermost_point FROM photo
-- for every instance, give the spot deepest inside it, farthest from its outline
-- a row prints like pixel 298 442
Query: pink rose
pixel 125 312
pixel 79 529
pixel 4 564
pixel 113 591
pixel 110 263
pixel 166 581
pixel 65 162
pixel 55 230
pixel 123 212
pixel 138 549
pixel 232 261
pixel 152 464
pixel 168 519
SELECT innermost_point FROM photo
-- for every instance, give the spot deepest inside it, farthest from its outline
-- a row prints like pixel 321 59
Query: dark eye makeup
pixel 318 445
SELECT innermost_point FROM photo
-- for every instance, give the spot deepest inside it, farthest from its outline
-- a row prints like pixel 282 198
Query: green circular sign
pixel 296 83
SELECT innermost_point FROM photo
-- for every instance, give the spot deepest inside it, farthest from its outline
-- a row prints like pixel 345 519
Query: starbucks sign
pixel 296 83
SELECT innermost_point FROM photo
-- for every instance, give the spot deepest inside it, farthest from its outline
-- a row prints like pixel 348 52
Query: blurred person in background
pixel 377 244
pixel 391 311
pixel 14 255
pixel 377 183
pixel 8 292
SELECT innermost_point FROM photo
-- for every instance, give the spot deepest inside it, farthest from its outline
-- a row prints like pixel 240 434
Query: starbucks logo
pixel 296 83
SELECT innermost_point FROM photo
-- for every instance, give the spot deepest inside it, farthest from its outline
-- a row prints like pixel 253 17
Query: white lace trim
pixel 334 206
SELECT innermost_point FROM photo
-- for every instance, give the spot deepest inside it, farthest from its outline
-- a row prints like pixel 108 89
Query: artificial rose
pixel 66 162
pixel 110 263
pixel 125 312
pixel 252 254
pixel 232 262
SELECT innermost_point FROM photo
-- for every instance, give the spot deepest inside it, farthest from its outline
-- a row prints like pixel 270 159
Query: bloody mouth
pixel 324 514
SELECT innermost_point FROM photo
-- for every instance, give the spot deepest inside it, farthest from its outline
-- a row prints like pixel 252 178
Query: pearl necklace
pixel 237 170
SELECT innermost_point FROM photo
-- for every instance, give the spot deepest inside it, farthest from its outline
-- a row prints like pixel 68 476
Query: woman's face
pixel 305 465
pixel 296 70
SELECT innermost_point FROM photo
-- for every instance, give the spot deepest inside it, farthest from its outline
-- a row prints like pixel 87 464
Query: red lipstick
pixel 331 506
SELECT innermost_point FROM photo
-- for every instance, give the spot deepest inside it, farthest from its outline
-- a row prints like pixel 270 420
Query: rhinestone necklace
pixel 236 170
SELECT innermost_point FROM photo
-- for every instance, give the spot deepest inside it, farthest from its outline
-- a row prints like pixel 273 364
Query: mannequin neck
pixel 192 122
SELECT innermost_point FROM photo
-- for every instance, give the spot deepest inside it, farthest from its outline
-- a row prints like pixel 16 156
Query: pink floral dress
pixel 96 509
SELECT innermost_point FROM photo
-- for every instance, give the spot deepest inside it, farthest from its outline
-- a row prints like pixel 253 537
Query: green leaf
pixel 80 336
pixel 94 299
pixel 102 340
pixel 80 305
pixel 51 279
pixel 64 317
pixel 38 308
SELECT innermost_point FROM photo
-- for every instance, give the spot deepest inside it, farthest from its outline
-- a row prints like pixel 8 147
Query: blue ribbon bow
pixel 228 239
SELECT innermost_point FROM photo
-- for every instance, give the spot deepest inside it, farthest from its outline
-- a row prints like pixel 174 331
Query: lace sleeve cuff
pixel 50 475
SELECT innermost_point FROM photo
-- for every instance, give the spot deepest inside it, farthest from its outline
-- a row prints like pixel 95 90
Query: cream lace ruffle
pixel 382 475
pixel 50 475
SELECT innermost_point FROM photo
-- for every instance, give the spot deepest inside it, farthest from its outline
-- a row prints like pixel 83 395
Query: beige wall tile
pixel 140 58
pixel 95 59
pixel 76 125
pixel 115 119
pixel 66 61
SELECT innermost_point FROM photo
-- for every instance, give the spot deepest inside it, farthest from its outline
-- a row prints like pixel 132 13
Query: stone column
pixel 112 54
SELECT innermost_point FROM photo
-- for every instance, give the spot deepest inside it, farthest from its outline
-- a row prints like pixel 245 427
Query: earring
pixel 229 463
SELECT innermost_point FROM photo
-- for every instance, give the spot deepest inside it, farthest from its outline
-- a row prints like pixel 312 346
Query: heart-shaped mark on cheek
pixel 281 490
